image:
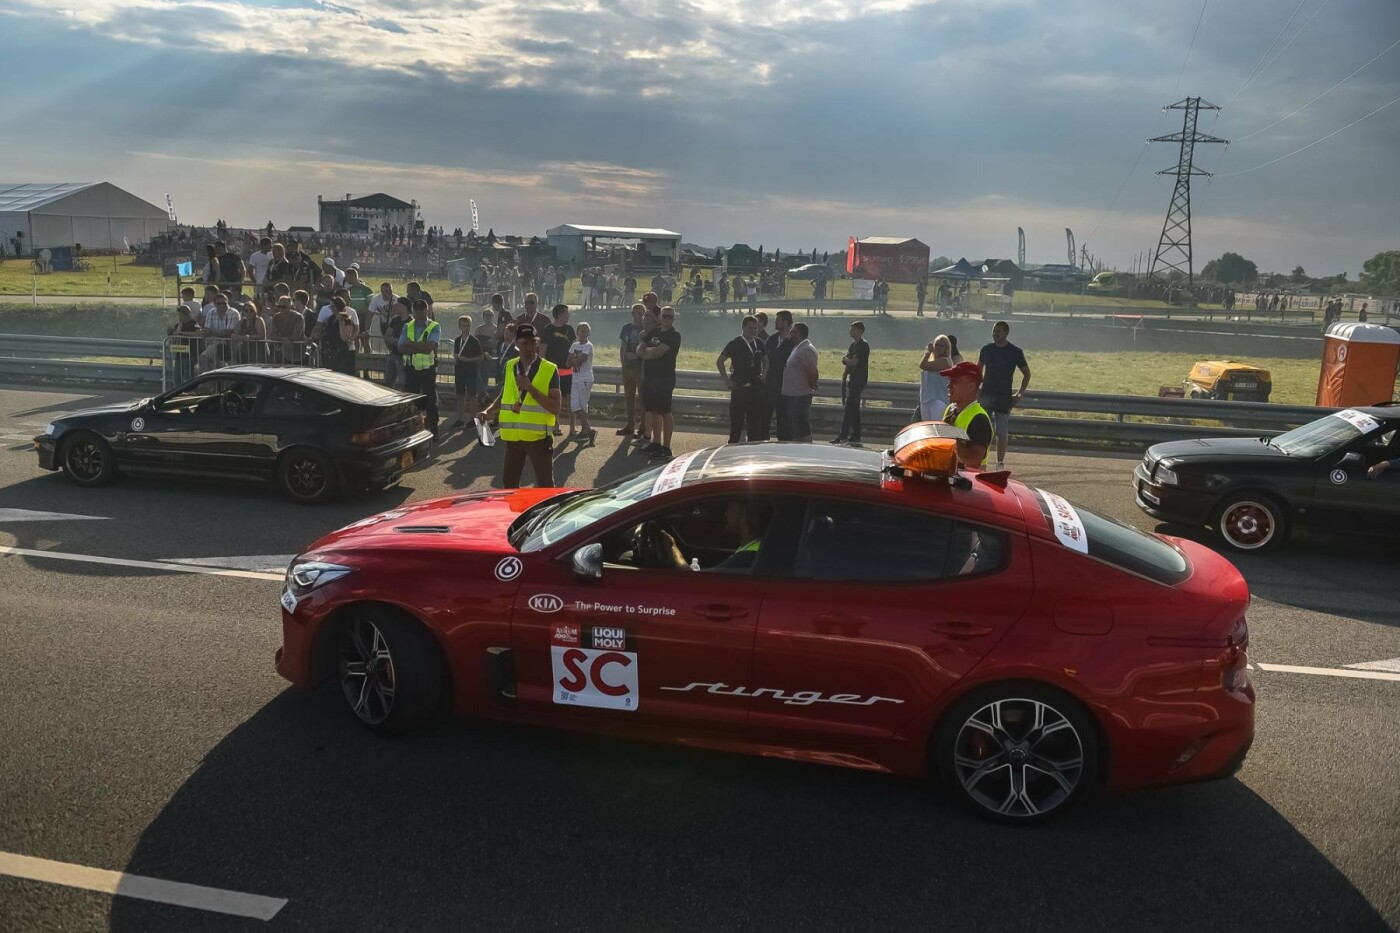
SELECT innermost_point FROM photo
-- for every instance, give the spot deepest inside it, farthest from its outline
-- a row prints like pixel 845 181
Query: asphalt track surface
pixel 143 730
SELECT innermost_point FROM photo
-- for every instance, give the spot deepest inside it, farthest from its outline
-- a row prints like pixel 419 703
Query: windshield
pixel 561 516
pixel 1325 434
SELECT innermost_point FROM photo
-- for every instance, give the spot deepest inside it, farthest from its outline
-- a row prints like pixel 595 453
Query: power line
pixel 1189 47
pixel 1259 66
pixel 1315 99
pixel 1311 144
pixel 1258 70
pixel 1160 116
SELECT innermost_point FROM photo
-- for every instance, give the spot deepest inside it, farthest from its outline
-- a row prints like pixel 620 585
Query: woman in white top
pixel 933 388
pixel 581 362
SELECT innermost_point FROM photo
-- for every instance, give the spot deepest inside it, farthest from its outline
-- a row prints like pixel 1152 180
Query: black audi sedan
pixel 1255 492
pixel 313 432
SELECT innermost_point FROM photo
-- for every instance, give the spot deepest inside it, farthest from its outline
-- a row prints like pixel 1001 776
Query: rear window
pixel 341 386
pixel 1112 541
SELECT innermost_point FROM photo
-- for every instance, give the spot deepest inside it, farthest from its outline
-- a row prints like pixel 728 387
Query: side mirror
pixel 1352 458
pixel 588 562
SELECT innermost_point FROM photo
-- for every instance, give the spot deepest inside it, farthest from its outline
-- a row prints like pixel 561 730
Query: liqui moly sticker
pixel 1064 520
pixel 1358 419
pixel 670 477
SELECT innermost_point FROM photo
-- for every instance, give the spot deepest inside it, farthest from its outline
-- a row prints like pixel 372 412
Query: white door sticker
pixel 1065 522
pixel 508 569
pixel 670 477
pixel 1358 419
pixel 592 677
pixel 1339 476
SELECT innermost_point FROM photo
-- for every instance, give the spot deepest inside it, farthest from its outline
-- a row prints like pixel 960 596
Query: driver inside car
pixel 747 521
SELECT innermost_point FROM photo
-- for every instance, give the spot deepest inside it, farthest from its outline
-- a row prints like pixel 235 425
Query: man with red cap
pixel 964 411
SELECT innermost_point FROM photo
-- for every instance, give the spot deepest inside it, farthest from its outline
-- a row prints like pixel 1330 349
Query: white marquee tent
pixel 96 214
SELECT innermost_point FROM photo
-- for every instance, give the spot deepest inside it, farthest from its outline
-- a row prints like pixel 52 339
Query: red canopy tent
pixel 893 258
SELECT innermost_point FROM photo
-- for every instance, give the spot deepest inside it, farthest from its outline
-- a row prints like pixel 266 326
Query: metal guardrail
pixel 1124 421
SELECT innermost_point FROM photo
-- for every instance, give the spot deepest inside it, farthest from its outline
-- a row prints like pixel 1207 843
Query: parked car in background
pixel 1227 379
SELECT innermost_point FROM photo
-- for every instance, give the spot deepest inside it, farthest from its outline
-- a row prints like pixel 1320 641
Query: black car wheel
pixel 88 459
pixel 1250 522
pixel 390 671
pixel 307 475
pixel 1018 753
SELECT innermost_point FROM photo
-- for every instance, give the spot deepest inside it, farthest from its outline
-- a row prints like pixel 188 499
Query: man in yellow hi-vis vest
pixel 964 411
pixel 418 343
pixel 527 410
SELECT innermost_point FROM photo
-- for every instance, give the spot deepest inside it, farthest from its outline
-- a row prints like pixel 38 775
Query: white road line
pixel 197 896
pixel 1392 665
pixel 29 515
pixel 268 562
pixel 1329 672
pixel 143 564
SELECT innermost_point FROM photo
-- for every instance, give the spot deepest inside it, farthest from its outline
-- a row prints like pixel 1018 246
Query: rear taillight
pixel 1234 660
pixel 417 423
pixel 371 438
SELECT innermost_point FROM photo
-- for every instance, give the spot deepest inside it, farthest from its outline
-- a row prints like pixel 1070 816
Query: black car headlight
pixel 303 576
pixel 48 430
pixel 1169 473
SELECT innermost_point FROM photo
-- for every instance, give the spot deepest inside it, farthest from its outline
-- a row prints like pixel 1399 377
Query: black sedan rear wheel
pixel 1250 522
pixel 88 459
pixel 1018 753
pixel 307 475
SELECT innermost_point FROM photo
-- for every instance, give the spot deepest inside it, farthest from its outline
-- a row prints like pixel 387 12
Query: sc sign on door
pixel 593 677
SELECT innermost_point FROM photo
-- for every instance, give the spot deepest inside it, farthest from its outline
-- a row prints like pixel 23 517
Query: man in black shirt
pixel 231 271
pixel 744 381
pixel 557 337
pixel 777 349
pixel 394 370
pixel 853 380
pixel 998 361
pixel 658 351
pixel 629 339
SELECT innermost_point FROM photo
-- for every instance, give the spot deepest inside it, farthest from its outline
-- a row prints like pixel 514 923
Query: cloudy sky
pixel 791 123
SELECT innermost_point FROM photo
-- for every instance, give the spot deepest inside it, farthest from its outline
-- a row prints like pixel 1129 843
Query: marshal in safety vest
pixel 420 360
pixel 533 422
pixel 965 418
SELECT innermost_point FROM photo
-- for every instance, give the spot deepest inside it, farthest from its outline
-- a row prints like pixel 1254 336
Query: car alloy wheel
pixel 1018 758
pixel 84 459
pixel 366 668
pixel 1248 525
pixel 306 476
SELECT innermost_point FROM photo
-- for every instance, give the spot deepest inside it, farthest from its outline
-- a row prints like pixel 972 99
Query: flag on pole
pixel 476 225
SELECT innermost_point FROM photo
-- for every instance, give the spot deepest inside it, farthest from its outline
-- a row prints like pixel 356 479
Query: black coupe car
pixel 1254 492
pixel 312 431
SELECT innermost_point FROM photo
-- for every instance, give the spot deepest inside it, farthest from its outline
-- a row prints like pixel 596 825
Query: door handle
pixel 957 629
pixel 720 612
pixel 841 618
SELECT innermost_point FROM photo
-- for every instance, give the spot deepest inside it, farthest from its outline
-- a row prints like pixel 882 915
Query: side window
pixel 238 396
pixel 288 400
pixel 714 535
pixel 860 542
pixel 200 396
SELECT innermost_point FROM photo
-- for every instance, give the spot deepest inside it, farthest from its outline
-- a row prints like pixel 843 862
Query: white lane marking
pixel 1392 666
pixel 144 564
pixel 268 562
pixel 197 896
pixel 29 515
pixel 1329 672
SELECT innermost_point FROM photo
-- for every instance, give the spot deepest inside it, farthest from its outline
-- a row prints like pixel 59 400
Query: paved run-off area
pixel 147 747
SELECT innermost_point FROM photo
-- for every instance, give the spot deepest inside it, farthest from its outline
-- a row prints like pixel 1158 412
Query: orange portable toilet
pixel 1358 365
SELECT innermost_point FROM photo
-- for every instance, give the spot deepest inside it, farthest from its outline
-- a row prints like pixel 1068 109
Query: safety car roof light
pixel 928 449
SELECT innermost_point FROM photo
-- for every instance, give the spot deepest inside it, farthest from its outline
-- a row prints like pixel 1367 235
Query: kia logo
pixel 546 602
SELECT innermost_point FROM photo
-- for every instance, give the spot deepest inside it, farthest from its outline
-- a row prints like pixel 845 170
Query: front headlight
pixel 1166 475
pixel 48 430
pixel 306 575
